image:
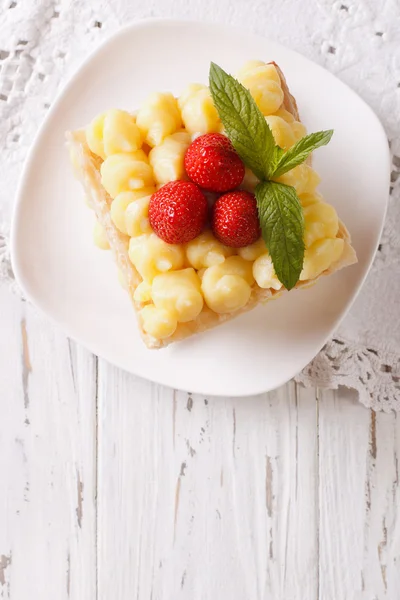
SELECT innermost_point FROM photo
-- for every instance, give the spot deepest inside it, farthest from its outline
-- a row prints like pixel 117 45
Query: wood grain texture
pixel 205 496
pixel 359 500
pixel 47 460
pixel 113 487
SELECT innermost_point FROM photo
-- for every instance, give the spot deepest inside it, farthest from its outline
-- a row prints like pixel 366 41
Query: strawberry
pixel 212 162
pixel 178 212
pixel 235 220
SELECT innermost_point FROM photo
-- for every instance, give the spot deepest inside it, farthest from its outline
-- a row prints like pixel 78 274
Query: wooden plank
pixel 205 498
pixel 359 500
pixel 47 460
pixel 381 556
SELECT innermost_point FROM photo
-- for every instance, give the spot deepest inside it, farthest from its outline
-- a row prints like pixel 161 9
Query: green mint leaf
pixel 282 226
pixel 244 124
pixel 277 156
pixel 298 153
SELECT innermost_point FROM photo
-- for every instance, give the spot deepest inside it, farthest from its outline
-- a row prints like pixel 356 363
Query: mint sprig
pixel 279 208
pixel 282 227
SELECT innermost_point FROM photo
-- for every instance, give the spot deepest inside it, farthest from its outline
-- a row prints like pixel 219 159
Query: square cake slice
pixel 125 160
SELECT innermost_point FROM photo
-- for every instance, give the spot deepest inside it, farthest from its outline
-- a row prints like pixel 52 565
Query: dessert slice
pixel 194 212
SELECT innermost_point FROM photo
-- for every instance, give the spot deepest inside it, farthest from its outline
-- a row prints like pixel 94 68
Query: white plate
pixel 76 284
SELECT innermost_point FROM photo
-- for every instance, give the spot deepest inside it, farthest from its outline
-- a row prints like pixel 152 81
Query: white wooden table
pixel 113 488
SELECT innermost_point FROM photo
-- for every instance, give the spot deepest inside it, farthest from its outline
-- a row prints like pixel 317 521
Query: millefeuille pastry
pixel 175 203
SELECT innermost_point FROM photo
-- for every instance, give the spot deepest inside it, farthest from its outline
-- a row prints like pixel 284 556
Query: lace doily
pixel 43 41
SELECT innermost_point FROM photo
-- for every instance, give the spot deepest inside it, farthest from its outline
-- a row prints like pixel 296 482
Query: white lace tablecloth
pixel 43 41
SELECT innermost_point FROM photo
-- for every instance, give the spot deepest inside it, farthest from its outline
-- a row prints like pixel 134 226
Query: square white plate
pixel 76 284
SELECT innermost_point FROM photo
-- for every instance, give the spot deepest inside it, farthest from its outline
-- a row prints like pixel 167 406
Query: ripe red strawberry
pixel 235 219
pixel 212 162
pixel 178 212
